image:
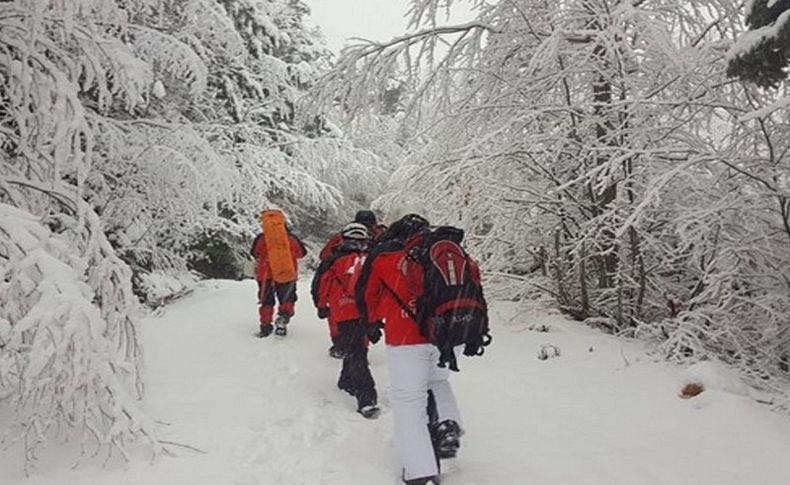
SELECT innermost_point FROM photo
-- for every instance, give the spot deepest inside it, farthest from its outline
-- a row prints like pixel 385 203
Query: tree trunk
pixel 585 300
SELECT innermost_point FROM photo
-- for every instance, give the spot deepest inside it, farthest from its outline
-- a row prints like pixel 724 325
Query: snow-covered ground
pixel 268 412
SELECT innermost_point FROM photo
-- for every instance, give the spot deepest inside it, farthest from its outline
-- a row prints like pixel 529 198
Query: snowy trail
pixel 275 414
pixel 268 412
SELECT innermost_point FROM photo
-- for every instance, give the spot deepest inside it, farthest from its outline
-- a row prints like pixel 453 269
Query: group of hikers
pixel 411 283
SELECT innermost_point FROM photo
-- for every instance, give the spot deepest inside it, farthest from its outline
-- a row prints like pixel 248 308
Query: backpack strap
pixel 400 303
pixel 446 352
pixel 364 275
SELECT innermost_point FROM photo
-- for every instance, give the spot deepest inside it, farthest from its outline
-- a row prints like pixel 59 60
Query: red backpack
pixel 452 310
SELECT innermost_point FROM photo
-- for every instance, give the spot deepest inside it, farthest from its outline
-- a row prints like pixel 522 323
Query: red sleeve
pixel 259 247
pixel 254 249
pixel 297 248
pixel 330 246
pixel 324 287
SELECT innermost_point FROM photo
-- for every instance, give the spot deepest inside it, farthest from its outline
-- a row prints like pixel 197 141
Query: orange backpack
pixel 278 246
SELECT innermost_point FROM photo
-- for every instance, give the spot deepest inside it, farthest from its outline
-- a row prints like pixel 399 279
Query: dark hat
pixel 366 217
pixel 404 227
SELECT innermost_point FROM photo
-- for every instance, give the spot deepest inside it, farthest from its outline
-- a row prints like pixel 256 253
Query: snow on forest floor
pixel 268 412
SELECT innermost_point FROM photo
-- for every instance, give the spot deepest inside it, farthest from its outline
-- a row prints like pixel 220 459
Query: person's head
pixel 366 217
pixel 354 231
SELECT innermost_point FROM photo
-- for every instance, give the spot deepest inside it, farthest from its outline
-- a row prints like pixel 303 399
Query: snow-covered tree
pixel 761 55
pixel 69 352
pixel 586 139
pixel 134 135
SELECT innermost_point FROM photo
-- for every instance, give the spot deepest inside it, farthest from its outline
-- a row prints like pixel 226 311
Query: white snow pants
pixel 413 371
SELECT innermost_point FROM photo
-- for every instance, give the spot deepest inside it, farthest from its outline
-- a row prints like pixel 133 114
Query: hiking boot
pixel 447 436
pixel 265 331
pixel 282 319
pixel 280 324
pixel 434 480
pixel 371 411
pixel 335 352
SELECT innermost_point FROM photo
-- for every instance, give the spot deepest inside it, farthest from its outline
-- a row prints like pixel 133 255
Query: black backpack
pixel 452 310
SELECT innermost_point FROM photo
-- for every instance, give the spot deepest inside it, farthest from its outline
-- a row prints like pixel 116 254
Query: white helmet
pixel 354 230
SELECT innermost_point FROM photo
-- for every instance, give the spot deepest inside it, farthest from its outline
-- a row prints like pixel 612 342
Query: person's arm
pixel 372 296
pixel 325 283
pixel 315 289
pixel 300 251
pixel 253 251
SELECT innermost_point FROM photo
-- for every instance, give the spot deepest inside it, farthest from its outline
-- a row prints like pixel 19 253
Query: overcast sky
pixel 369 19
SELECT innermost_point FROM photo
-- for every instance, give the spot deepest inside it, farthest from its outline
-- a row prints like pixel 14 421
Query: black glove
pixel 323 313
pixel 374 332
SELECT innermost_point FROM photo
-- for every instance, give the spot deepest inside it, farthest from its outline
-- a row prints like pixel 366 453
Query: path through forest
pixel 268 412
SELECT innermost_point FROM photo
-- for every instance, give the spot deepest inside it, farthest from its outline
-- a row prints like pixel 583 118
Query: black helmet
pixel 405 227
pixel 366 217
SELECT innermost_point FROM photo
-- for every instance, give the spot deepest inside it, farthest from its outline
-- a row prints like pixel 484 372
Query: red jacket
pixel 336 287
pixel 394 280
pixel 330 246
pixel 260 254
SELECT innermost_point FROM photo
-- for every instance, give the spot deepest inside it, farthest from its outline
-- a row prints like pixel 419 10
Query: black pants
pixel 285 292
pixel 355 376
pixel 286 296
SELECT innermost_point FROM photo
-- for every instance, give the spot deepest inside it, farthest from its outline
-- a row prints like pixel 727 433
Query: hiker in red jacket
pixel 368 219
pixel 285 293
pixel 364 217
pixel 333 296
pixel 387 294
